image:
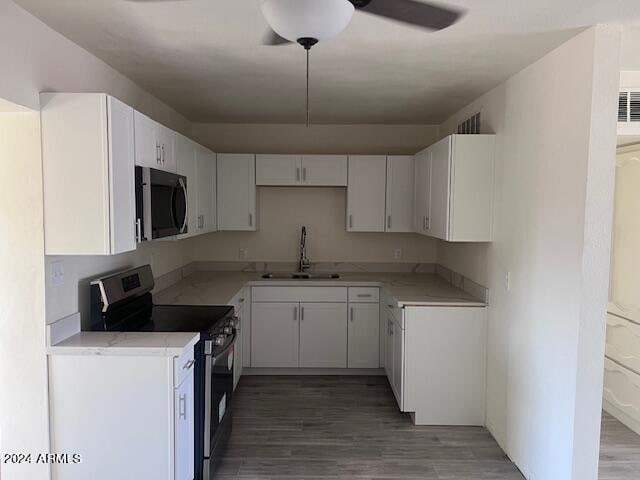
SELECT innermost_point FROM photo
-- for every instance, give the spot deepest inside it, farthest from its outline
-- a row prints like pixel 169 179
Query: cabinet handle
pixel 189 364
pixel 304 174
pixel 138 230
pixel 295 314
pixel 351 314
pixel 251 219
pixel 301 313
pixel 428 223
pixel 364 295
pixel 158 152
pixel 182 401
pixel 163 154
pixel 297 174
pixel 350 221
pixel 388 221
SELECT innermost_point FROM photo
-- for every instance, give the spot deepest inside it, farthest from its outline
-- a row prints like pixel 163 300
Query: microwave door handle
pixel 186 205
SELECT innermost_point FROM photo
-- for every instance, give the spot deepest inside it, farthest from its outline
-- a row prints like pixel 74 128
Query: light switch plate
pixel 397 253
pixel 242 253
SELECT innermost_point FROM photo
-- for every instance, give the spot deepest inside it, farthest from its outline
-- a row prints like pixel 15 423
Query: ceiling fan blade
pixel 273 39
pixel 412 12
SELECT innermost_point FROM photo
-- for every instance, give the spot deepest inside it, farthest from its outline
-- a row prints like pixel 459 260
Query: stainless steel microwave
pixel 161 204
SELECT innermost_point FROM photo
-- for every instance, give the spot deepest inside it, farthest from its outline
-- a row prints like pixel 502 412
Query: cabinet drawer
pixel 622 388
pixel 623 342
pixel 182 366
pixel 299 294
pixel 364 295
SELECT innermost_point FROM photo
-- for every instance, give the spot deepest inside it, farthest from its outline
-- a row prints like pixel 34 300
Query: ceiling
pixel 205 58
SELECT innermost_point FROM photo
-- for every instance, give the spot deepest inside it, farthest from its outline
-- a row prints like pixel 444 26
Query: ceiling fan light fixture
pixel 303 19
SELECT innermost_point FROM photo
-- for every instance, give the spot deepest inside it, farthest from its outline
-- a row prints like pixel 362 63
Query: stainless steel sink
pixel 301 276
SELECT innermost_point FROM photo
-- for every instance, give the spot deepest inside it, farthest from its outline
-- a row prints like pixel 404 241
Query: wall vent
pixel 629 106
pixel 471 124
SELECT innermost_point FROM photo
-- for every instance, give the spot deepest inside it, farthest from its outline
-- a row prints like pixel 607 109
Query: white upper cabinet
pixel 422 190
pixel 236 192
pixel 278 170
pixel 366 193
pixel 154 144
pixel 400 187
pixel 185 156
pixel 88 174
pixel 206 190
pixel 301 170
pixel 324 170
pixel 454 194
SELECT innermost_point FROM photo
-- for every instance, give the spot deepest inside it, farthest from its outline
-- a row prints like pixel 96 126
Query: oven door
pixel 217 408
pixel 161 203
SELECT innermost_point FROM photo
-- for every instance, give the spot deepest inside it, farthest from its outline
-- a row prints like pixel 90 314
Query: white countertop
pixel 408 289
pixel 167 344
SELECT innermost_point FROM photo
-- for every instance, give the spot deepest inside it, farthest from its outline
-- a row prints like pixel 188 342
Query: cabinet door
pixel 388 350
pixel 236 192
pixel 274 334
pixel 324 170
pixel 238 360
pixel 400 185
pixel 122 197
pixel 206 190
pixel 184 429
pixel 147 141
pixel 398 362
pixel 422 190
pixel 167 149
pixel 323 335
pixel 366 193
pixel 185 155
pixel 438 223
pixel 363 335
pixel 278 170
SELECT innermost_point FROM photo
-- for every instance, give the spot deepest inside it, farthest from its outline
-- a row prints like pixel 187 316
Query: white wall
pixel 281 213
pixel 555 126
pixel 35 58
pixel 23 365
pixel 330 139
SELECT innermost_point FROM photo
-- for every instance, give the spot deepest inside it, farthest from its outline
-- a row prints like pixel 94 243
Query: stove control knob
pixel 228 330
pixel 219 340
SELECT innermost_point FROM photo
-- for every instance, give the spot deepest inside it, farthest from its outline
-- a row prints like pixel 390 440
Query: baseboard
pixel 313 371
pixel 625 419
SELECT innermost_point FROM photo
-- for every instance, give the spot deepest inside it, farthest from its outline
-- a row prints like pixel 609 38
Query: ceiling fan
pixel 308 22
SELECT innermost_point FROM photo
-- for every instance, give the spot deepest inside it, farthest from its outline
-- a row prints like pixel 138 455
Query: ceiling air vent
pixel 471 124
pixel 629 106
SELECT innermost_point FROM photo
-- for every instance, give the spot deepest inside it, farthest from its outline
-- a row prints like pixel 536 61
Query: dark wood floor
pixel 347 428
pixel 619 451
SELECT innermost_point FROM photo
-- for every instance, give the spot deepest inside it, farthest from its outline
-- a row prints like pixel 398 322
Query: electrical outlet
pixel 242 253
pixel 397 253
pixel 57 273
pixel 507 281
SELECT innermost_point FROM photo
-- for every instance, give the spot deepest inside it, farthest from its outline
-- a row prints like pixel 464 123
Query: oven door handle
pixel 209 362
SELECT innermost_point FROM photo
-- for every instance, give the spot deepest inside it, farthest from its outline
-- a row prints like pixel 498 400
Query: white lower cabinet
pixel 238 304
pixel 443 364
pixel 622 394
pixel 275 334
pixel 184 429
pixel 323 335
pixel 128 416
pixel 363 335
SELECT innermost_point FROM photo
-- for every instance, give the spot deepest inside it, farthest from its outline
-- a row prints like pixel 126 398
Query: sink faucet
pixel 303 263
